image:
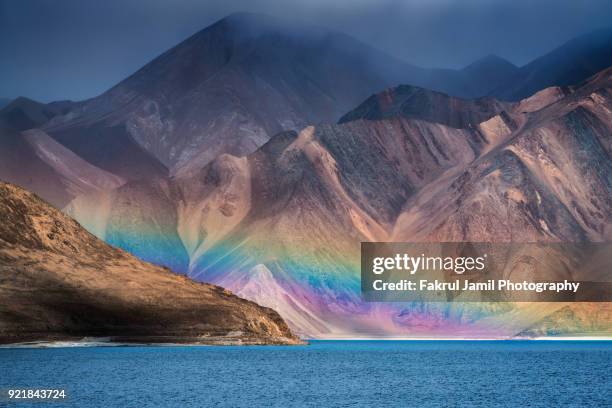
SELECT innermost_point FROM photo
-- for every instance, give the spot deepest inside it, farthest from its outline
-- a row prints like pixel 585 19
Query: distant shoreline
pixel 581 338
pixel 118 341
pixel 105 342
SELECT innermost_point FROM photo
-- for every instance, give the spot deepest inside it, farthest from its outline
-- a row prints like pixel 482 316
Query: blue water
pixel 322 374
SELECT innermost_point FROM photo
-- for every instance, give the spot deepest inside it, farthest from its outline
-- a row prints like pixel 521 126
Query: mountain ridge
pixel 231 86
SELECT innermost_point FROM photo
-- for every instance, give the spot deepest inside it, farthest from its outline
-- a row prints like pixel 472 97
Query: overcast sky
pixel 75 49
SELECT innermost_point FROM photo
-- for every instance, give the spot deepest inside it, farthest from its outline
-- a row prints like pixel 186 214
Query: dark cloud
pixel 54 49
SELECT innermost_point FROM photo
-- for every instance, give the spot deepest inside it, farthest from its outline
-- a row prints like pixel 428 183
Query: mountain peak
pixel 422 104
pixel 241 17
pixel 249 26
pixel 231 86
pixel 488 73
pixel 23 100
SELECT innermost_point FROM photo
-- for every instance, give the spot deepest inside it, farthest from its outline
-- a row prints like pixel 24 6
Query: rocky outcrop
pixel 58 281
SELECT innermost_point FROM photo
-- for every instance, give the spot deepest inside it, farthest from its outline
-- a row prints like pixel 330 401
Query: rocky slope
pixel 548 179
pixel 57 281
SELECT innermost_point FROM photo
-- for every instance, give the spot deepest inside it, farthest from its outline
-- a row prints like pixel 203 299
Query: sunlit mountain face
pixel 257 155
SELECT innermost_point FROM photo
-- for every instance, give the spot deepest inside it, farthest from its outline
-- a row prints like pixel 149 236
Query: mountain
pixel 231 86
pixel 226 89
pixel 120 156
pixel 60 282
pixel 582 321
pixel 569 64
pixel 283 225
pixel 518 189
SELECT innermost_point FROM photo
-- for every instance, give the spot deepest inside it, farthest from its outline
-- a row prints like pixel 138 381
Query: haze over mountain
pixel 82 55
pixel 569 64
pixel 60 282
pixel 488 73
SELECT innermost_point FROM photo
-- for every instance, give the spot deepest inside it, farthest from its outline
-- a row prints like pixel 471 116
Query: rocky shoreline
pixel 134 341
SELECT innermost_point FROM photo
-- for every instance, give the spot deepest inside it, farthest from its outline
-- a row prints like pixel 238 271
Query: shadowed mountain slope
pixel 57 281
pixel 37 162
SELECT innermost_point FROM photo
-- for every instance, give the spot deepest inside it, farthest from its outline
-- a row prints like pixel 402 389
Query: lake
pixel 322 374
